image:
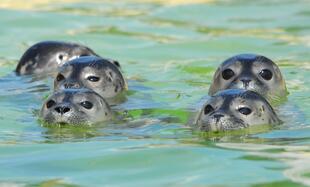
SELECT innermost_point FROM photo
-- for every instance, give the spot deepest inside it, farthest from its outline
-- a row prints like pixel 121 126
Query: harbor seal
pixel 234 109
pixel 47 56
pixel 75 107
pixel 251 72
pixel 91 72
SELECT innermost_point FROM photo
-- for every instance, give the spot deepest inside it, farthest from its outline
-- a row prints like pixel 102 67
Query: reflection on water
pixel 169 51
pixel 295 157
pixel 117 31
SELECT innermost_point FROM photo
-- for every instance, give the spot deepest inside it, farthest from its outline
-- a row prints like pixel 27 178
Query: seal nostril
pixel 66 109
pixel 218 116
pixel 246 82
pixel 62 110
pixel 71 85
pixel 58 109
pixel 68 85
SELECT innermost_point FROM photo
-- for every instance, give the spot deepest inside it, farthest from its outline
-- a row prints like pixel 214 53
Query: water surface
pixel 169 51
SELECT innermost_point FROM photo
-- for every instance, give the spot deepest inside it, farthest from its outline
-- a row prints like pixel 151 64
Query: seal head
pixel 250 72
pixel 47 56
pixel 94 73
pixel 235 109
pixel 75 107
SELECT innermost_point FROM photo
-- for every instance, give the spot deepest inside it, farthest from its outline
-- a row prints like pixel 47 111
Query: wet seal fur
pixel 234 109
pixel 75 107
pixel 97 74
pixel 250 72
pixel 47 56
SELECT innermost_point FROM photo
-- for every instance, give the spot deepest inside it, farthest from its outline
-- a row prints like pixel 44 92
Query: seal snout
pixel 250 72
pixel 246 83
pixel 94 73
pixel 217 121
pixel 234 109
pixel 75 107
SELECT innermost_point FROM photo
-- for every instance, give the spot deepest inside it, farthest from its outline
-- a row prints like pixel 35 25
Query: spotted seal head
pixel 75 107
pixel 234 109
pixel 47 56
pixel 251 72
pixel 93 73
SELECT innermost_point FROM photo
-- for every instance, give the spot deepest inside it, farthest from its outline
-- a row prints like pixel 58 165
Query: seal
pixel 47 56
pixel 234 109
pixel 251 72
pixel 91 72
pixel 75 107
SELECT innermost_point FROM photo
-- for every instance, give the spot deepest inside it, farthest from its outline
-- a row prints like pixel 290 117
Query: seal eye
pixel 83 55
pixel 93 78
pixel 266 74
pixel 60 77
pixel 87 104
pixel 208 109
pixel 245 110
pixel 227 74
pixel 117 63
pixel 50 103
pixel 60 57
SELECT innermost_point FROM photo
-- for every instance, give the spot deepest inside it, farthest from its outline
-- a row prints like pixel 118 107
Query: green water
pixel 169 53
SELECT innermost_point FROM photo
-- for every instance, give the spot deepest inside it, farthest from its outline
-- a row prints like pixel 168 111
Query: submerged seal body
pixel 235 109
pixel 94 73
pixel 74 107
pixel 47 56
pixel 251 72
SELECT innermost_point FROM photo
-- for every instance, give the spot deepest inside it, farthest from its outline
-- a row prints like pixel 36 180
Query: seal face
pixel 74 107
pixel 47 56
pixel 235 109
pixel 94 73
pixel 251 72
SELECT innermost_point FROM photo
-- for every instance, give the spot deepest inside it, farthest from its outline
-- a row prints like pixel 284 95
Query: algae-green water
pixel 169 51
